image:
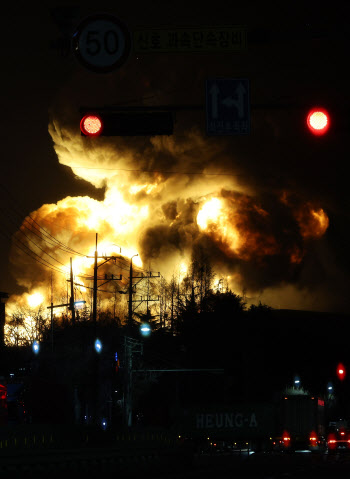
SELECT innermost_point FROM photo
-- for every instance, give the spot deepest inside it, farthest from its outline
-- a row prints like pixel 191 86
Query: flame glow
pixel 313 221
pixel 35 300
pixel 209 213
pixel 224 221
pixel 162 217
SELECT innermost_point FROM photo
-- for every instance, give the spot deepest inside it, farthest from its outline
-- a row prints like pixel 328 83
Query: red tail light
pixel 3 392
pixel 332 443
pixel 313 438
pixel 286 438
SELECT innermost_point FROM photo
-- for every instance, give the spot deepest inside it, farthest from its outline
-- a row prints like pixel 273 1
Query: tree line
pixel 194 296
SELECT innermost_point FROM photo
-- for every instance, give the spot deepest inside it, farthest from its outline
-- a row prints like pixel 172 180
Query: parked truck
pixel 300 423
pixel 289 423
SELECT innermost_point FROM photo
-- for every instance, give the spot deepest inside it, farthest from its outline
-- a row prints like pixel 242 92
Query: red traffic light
pixel 91 125
pixel 341 371
pixel 139 121
pixel 318 121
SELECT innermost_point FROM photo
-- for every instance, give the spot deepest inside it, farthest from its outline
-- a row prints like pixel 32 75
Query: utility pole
pixel 144 299
pixel 130 295
pixel 51 313
pixel 72 293
pixel 72 301
pixel 140 301
pixel 131 346
pixel 94 301
pixel 95 287
pixel 60 306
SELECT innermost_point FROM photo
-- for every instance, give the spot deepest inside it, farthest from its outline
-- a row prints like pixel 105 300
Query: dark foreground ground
pixel 169 465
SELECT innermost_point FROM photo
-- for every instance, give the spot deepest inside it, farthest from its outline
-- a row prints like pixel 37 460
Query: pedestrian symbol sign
pixel 227 106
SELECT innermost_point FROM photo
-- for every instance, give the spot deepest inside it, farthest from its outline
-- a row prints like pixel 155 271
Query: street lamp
pixel 98 346
pixel 297 382
pixel 36 347
pixel 145 329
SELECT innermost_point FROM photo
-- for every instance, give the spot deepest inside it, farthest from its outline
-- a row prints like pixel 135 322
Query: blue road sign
pixel 227 106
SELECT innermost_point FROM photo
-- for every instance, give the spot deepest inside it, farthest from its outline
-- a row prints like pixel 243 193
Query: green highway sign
pixel 190 39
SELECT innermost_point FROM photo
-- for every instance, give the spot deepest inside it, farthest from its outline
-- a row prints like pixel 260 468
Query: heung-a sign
pixel 226 420
pixel 237 420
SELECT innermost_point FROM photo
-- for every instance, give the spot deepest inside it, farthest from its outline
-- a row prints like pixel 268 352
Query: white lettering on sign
pixel 239 420
pixel 190 39
pixel 209 420
pixel 225 420
pixel 227 106
pixel 253 422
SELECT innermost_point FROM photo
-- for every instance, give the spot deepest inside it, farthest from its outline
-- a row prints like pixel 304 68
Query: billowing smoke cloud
pixel 166 195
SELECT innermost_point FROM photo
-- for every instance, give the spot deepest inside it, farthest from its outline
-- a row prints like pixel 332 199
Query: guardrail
pixel 43 448
pixel 55 436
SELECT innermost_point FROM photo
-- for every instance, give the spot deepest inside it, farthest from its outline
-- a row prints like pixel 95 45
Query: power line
pixel 138 170
pixel 40 260
pixel 55 242
pixel 37 230
pixel 43 232
pixel 39 247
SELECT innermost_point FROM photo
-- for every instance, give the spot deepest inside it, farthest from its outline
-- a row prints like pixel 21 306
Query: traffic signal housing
pixel 126 122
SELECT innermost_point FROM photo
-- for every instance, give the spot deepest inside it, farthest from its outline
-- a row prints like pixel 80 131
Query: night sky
pixel 295 59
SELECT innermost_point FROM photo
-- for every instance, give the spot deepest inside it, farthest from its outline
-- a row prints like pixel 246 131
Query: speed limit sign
pixel 102 43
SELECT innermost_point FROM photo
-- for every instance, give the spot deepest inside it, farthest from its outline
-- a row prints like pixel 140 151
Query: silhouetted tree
pixel 259 311
pixel 26 325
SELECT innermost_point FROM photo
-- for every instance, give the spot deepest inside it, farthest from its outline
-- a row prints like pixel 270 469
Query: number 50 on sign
pixel 102 43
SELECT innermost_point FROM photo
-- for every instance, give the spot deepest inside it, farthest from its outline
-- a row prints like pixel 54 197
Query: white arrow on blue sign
pixel 227 106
